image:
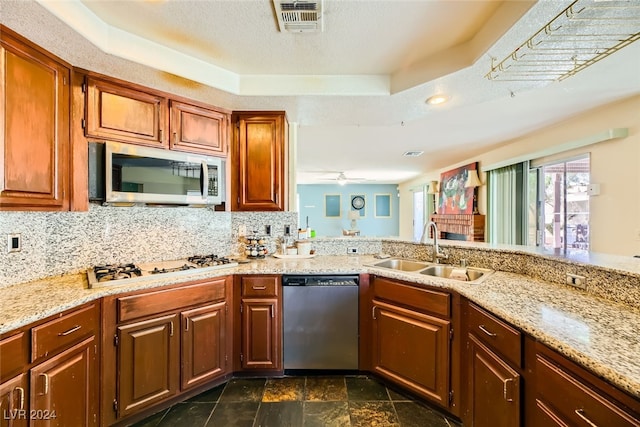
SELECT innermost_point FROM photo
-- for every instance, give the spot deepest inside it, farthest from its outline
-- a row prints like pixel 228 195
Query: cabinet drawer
pixel 428 300
pixel 562 396
pixel 152 303
pixel 58 334
pixel 496 334
pixel 260 286
pixel 14 352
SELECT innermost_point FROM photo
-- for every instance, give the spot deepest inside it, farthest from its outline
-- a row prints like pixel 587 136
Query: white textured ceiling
pixel 356 90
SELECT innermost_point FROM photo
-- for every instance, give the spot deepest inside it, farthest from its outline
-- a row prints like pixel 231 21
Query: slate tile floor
pixel 311 401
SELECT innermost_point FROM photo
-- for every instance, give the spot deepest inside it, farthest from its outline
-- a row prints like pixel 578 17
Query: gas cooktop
pixel 120 274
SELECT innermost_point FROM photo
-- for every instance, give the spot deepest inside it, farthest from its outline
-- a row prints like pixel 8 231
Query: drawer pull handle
pixel 70 331
pixel 21 391
pixel 258 288
pixel 580 413
pixel 486 331
pixel 46 383
pixel 507 391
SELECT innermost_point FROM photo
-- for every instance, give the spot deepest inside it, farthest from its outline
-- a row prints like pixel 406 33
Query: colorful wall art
pixel 455 198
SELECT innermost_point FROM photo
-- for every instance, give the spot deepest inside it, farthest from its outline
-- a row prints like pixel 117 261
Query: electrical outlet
pixel 14 242
pixel 576 281
pixel 267 230
pixel 287 230
pixel 352 250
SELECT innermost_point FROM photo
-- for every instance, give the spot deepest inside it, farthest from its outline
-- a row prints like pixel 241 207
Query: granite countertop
pixel 598 334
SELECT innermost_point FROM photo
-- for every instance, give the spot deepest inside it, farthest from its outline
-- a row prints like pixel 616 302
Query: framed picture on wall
pixel 358 203
pixel 332 205
pixel 455 198
pixel 382 208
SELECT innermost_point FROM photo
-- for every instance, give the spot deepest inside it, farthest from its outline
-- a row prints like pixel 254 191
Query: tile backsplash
pixel 55 243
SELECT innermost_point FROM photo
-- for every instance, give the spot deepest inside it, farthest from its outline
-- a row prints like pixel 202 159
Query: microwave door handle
pixel 204 180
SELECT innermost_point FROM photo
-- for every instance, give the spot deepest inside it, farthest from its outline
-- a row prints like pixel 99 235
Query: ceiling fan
pixel 341 178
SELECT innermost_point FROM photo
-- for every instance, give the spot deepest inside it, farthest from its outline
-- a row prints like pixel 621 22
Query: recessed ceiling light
pixel 437 99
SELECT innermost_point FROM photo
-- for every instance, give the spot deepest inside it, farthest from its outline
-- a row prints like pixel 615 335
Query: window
pixel 562 204
pixel 418 213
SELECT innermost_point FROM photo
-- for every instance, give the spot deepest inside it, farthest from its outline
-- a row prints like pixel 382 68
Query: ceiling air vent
pixel 299 16
pixel 412 153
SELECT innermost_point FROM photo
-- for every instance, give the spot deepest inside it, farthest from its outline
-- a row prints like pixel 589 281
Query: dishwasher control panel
pixel 320 280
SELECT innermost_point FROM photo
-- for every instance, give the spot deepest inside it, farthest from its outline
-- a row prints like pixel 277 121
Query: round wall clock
pixel 357 202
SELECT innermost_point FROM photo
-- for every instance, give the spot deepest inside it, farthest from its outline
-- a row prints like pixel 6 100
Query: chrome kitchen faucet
pixel 437 255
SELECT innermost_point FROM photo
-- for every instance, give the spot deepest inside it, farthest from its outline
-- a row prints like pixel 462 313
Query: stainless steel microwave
pixel 151 175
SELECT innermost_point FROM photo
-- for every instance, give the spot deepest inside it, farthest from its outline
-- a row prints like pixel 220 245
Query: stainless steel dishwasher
pixel 320 317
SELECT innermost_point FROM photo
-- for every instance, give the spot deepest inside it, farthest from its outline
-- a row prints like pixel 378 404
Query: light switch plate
pixel 14 242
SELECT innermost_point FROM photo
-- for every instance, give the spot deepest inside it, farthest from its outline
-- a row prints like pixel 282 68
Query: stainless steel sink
pixel 402 264
pixel 473 274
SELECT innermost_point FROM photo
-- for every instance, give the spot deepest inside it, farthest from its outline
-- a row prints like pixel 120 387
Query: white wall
pixel 615 165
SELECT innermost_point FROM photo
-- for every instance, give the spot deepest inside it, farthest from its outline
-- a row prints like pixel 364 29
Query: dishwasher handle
pixel 295 281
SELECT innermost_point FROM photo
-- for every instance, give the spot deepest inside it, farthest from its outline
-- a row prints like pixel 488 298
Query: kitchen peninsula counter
pixel 599 334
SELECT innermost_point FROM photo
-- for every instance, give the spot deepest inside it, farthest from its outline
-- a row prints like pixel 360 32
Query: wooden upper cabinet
pixel 198 129
pixel 34 118
pixel 259 161
pixel 119 113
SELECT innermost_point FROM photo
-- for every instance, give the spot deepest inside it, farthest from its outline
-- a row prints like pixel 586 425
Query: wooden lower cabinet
pixel 63 391
pixel 565 398
pixel 204 344
pixel 162 343
pixel 494 388
pixel 148 361
pixel 260 334
pixel 14 401
pixel 413 350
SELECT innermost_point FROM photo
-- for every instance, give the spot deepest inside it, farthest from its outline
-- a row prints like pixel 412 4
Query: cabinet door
pixel 119 113
pixel 564 398
pixel 204 355
pixel 148 365
pixel 413 350
pixel 34 120
pixel 198 129
pixel 261 339
pixel 64 388
pixel 13 402
pixel 494 388
pixel 259 184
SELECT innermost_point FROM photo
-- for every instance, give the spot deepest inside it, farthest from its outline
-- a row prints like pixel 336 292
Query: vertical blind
pixel 506 202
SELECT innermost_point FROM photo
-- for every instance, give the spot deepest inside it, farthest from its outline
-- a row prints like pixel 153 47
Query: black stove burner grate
pixel 105 273
pixel 208 260
pixel 184 267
